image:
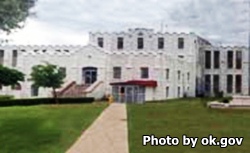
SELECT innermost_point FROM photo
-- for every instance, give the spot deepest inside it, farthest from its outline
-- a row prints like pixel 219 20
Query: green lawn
pixel 44 129
pixel 188 117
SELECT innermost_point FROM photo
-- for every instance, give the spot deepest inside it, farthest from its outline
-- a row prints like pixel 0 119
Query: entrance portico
pixel 132 91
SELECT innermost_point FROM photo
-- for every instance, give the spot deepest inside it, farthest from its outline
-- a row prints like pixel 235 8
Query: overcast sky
pixel 69 21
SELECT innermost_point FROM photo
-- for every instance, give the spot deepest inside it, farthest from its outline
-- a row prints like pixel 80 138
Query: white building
pixel 136 65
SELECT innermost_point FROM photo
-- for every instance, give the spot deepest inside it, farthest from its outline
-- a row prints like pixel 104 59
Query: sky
pixel 68 22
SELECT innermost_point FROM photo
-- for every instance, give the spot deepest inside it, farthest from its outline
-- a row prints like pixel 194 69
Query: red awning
pixel 147 83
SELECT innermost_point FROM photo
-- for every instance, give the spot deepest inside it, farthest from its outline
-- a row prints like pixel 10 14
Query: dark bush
pixel 39 101
pixel 226 99
pixel 6 97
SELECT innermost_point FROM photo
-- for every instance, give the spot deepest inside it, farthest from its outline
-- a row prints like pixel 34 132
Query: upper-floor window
pixel 100 42
pixel 120 43
pixel 207 59
pixel 140 43
pixel 1 57
pixel 117 72
pixel 238 59
pixel 160 43
pixel 14 58
pixel 230 57
pixel 144 73
pixel 179 75
pixel 180 43
pixel 167 74
pixel 216 59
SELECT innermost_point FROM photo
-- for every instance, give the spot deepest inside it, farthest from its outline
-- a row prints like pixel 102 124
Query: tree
pixel 13 13
pixel 9 76
pixel 48 76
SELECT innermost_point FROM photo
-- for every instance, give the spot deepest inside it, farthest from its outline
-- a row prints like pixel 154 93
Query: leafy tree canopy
pixel 48 76
pixel 13 13
pixel 10 76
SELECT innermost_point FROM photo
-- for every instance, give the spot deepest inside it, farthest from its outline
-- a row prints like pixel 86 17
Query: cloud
pixel 220 21
pixel 68 22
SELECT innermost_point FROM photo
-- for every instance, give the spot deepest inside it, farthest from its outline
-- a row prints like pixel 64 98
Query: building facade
pixel 134 66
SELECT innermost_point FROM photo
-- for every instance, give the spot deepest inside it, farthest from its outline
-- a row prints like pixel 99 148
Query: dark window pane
pixel 207 83
pixel 1 57
pixel 120 43
pixel 238 83
pixel 230 59
pixel 216 84
pixel 140 44
pixel 14 58
pixel 100 42
pixel 229 83
pixel 207 59
pixel 117 72
pixel 216 59
pixel 160 43
pixel 180 43
pixel 238 60
pixel 144 73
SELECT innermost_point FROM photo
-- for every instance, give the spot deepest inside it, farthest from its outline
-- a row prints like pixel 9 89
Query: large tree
pixel 10 76
pixel 48 76
pixel 13 13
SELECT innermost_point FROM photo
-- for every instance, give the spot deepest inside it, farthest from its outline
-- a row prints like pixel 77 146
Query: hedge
pixel 6 97
pixel 40 101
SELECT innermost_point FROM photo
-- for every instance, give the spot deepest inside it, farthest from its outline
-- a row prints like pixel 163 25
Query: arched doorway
pixel 89 75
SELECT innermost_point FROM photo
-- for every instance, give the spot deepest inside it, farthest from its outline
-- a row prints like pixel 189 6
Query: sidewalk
pixel 108 134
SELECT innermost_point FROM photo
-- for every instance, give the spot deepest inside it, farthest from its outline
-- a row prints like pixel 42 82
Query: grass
pixel 188 117
pixel 44 129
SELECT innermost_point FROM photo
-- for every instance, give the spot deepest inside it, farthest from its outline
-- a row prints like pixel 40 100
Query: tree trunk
pixel 55 96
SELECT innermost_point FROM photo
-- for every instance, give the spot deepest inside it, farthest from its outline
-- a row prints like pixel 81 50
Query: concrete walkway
pixel 108 134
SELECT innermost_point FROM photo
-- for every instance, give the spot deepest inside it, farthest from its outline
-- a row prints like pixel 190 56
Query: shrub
pixel 6 97
pixel 39 101
pixel 226 99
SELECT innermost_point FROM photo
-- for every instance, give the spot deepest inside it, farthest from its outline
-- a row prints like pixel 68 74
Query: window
pixel 167 92
pixel 238 83
pixel 34 90
pixel 207 83
pixel 117 71
pixel 140 44
pixel 238 59
pixel 229 83
pixel 16 87
pixel 207 59
pixel 120 43
pixel 179 92
pixel 100 42
pixel 160 43
pixel 14 58
pixel 216 84
pixel 63 69
pixel 179 75
pixel 230 59
pixel 216 59
pixel 188 76
pixel 167 74
pixel 144 73
pixel 180 43
pixel 1 57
